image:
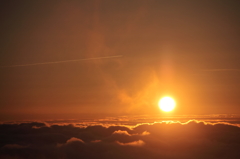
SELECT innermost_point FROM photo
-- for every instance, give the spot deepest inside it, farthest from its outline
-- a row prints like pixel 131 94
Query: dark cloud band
pixel 157 140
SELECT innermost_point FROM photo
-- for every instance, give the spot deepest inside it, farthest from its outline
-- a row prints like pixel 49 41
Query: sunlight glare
pixel 166 104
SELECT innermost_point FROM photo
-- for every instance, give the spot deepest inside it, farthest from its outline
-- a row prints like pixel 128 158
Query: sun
pixel 166 104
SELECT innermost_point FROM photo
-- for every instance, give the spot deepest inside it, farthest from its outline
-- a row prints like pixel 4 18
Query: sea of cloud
pixel 156 140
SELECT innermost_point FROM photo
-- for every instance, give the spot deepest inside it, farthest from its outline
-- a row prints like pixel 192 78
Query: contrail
pixel 219 70
pixel 45 63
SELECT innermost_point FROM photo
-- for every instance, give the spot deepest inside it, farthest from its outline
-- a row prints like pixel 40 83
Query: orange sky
pixel 186 49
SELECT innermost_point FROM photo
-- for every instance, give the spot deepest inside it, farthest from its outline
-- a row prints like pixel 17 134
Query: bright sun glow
pixel 166 104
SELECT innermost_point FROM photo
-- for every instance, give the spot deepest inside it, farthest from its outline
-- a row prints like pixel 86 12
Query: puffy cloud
pixel 145 133
pixel 171 140
pixel 121 132
pixel 134 143
pixel 74 139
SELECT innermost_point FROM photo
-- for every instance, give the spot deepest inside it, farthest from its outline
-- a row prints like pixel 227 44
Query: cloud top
pixel 170 140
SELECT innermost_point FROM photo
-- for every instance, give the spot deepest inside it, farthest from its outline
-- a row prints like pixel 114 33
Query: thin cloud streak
pixel 219 70
pixel 56 62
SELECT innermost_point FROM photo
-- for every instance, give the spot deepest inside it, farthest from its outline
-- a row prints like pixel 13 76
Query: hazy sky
pixel 185 49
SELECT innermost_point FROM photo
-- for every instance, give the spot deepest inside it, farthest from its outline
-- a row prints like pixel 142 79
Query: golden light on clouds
pixel 166 104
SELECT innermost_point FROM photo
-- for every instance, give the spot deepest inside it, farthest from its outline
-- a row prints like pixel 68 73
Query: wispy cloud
pixel 219 70
pixel 66 61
